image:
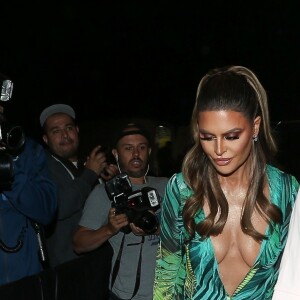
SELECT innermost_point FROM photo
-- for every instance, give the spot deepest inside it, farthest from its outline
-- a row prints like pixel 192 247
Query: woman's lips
pixel 222 161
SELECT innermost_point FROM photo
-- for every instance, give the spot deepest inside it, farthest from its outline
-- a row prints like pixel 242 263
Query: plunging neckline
pixel 250 273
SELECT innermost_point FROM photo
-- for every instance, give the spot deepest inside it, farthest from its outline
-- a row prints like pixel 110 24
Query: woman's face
pixel 226 137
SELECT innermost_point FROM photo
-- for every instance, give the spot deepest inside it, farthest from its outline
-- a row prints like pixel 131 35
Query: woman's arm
pixel 170 271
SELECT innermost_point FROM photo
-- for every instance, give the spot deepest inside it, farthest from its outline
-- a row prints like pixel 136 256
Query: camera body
pixel 139 206
pixel 12 139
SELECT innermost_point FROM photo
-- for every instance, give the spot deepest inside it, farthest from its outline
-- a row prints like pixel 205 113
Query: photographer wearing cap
pixel 27 198
pixel 133 264
pixel 74 180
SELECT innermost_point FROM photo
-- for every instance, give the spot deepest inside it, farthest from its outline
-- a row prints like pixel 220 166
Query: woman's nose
pixel 220 147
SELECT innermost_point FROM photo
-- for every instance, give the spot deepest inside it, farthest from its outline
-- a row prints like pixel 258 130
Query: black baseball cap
pixel 129 129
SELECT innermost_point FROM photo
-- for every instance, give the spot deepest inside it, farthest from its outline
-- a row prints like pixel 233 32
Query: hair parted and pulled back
pixel 232 88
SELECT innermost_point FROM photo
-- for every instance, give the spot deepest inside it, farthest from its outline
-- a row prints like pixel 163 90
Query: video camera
pixel 139 206
pixel 12 139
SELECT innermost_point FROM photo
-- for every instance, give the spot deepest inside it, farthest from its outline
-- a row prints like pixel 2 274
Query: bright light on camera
pixel 6 90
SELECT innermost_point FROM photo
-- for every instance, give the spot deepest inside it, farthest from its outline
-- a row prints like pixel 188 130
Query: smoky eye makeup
pixel 206 137
pixel 228 137
pixel 231 137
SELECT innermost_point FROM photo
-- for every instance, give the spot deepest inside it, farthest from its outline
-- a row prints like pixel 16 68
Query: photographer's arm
pixel 86 239
pixel 33 193
pixel 73 192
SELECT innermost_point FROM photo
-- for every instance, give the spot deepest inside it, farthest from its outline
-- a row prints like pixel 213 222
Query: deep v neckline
pixel 251 271
pixel 253 268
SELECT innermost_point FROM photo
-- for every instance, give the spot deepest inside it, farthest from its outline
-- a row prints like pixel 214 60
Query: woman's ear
pixel 256 126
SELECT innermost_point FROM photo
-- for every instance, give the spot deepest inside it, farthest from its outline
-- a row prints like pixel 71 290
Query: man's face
pixel 133 155
pixel 61 136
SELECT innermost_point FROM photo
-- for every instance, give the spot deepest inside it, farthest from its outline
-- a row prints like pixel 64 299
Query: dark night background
pixel 143 59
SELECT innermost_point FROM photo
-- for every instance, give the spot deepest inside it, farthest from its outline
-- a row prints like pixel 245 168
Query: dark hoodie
pixel 32 197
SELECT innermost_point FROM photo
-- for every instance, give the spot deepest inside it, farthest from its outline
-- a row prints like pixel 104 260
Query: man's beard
pixel 65 152
pixel 134 174
pixel 69 154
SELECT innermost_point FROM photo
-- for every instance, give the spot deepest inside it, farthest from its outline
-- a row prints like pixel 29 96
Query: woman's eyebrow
pixel 236 129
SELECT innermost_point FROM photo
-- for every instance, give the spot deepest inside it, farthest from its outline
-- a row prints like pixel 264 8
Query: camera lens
pixel 12 136
pixel 15 138
pixel 148 222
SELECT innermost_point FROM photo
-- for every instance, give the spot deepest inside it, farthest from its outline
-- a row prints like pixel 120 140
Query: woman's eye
pixel 231 138
pixel 228 138
pixel 207 138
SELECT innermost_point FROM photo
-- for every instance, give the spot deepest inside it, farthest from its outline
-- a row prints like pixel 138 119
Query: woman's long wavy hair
pixel 234 88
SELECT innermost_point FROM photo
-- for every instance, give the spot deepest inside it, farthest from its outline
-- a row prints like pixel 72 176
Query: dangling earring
pixel 255 138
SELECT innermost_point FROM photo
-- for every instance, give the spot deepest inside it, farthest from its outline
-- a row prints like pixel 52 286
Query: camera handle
pixel 117 266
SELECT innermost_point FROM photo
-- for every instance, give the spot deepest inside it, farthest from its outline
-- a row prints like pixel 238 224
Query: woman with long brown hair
pixel 225 217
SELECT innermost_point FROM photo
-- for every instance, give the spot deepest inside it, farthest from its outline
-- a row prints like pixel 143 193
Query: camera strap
pixel 40 234
pixel 117 266
pixel 19 243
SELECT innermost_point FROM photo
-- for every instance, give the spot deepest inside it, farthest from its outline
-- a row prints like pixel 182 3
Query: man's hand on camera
pixel 109 172
pixel 96 161
pixel 137 230
pixel 116 221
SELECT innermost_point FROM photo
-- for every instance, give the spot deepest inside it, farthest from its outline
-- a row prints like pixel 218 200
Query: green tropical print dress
pixel 189 270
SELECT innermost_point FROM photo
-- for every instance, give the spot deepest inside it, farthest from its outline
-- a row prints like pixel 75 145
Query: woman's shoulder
pixel 283 186
pixel 178 183
pixel 278 176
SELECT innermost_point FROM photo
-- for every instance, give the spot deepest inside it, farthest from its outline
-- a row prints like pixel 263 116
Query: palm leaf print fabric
pixel 189 270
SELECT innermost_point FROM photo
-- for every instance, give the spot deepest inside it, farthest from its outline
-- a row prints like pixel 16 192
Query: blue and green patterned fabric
pixel 189 270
